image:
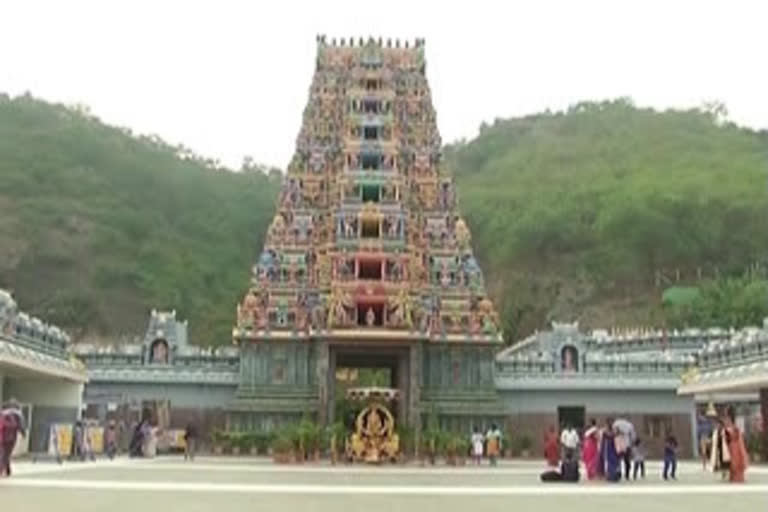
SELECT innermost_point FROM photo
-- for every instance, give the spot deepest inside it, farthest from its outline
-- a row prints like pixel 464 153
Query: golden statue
pixel 374 439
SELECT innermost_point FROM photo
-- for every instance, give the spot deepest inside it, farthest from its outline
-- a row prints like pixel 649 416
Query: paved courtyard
pixel 224 485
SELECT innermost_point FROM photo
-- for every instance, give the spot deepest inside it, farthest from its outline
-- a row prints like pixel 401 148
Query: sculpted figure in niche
pixel 159 352
pixel 569 359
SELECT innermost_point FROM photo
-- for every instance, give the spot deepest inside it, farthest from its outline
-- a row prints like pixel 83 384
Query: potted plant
pixel 235 442
pixel 407 443
pixel 218 440
pixel 451 449
pixel 463 445
pixel 282 448
pixel 525 446
pixel 337 433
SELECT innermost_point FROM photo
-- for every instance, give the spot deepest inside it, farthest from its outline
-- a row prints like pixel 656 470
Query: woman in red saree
pixel 591 452
pixel 736 447
pixel 551 448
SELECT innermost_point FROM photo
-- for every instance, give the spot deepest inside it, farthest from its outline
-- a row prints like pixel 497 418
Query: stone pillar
pixel 322 381
pixel 764 414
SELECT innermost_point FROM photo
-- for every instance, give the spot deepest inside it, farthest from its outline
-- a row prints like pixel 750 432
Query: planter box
pixel 282 458
pixel 235 450
pixel 218 450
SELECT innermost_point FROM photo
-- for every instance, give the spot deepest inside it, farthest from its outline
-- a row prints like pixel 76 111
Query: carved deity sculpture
pixel 462 235
pixel 339 303
pixel 488 317
pixel 445 275
pixel 370 317
pixel 402 310
pixel 252 313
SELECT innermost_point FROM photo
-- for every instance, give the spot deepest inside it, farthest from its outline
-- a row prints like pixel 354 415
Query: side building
pixel 37 371
pixel 162 377
pixel 566 376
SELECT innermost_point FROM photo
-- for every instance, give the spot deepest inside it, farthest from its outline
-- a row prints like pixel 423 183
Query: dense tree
pixel 574 212
pixel 98 226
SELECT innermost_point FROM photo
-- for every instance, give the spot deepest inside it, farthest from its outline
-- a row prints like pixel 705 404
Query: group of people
pixel 611 452
pixel 488 444
pixel 614 451
pixel 12 425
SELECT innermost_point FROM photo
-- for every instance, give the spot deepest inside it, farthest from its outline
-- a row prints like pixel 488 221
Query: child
pixel 638 455
pixel 477 441
pixel 670 458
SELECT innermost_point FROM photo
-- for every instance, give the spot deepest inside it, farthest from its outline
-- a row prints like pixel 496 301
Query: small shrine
pixel 374 439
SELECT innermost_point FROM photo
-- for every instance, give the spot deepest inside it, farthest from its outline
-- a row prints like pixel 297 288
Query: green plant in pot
pixel 282 448
pixel 219 441
pixel 526 443
pixel 337 434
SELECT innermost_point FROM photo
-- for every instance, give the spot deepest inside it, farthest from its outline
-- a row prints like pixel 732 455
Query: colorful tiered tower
pixel 367 260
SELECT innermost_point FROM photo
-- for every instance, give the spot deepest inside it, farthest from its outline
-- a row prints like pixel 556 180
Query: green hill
pixel 572 216
pixel 98 226
pixel 573 213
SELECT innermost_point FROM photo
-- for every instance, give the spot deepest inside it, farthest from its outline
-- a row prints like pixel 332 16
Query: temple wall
pixel 652 412
pixel 51 400
pixel 457 368
pixel 51 392
pixel 277 365
pixel 183 395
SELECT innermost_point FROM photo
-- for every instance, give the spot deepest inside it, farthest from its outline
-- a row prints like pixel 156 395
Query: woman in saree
pixel 551 448
pixel 591 453
pixel 738 451
pixel 611 456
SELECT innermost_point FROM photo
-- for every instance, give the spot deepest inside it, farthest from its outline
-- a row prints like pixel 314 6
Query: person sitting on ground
pixel 569 471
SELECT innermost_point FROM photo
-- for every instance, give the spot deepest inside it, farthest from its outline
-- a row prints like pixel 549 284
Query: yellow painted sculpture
pixel 374 439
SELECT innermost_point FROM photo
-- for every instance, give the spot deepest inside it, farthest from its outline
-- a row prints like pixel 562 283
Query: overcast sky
pixel 230 79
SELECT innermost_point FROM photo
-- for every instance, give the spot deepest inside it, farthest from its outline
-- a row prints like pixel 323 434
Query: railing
pixel 52 348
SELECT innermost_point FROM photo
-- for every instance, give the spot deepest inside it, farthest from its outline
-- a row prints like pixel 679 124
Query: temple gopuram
pixel 367 261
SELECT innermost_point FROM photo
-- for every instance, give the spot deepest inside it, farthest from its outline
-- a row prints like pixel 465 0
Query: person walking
pixel 13 426
pixel 493 442
pixel 190 442
pixel 738 452
pixel 110 439
pixel 670 458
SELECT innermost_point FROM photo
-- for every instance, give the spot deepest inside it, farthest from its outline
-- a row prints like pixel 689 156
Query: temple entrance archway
pixel 355 365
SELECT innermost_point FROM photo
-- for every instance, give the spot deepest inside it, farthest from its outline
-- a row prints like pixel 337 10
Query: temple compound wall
pixel 162 377
pixel 566 376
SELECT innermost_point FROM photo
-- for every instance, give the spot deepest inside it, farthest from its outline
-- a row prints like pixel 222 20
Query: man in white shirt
pixel 569 439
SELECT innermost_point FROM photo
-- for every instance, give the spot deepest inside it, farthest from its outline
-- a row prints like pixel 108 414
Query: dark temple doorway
pixel 366 366
pixel 571 417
